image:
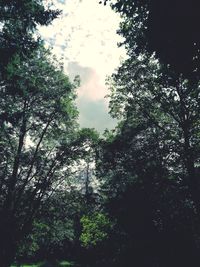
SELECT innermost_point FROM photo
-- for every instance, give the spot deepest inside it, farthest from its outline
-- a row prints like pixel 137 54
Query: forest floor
pixel 47 264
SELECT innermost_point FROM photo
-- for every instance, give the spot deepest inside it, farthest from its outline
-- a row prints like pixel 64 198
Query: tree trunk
pixel 7 253
pixel 193 182
pixel 8 240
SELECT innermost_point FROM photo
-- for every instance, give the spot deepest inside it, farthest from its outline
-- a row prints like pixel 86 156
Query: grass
pixel 25 265
pixel 65 264
pixel 46 264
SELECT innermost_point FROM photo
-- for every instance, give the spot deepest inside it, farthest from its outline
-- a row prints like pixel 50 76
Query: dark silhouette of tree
pixel 168 28
pixel 149 163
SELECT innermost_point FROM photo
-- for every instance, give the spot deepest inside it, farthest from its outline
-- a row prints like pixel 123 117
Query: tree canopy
pixel 129 197
pixel 37 118
pixel 168 28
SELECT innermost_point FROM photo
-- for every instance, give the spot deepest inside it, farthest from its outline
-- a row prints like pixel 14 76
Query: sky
pixel 85 37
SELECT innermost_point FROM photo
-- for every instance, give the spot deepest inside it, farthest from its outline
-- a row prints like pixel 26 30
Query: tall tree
pixel 146 91
pixel 37 116
pixel 156 145
pixel 169 28
pixel 145 165
pixel 26 116
pixel 144 27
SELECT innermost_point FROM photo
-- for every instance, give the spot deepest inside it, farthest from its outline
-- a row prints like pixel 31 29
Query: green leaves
pixel 38 118
pixel 96 229
pixel 19 21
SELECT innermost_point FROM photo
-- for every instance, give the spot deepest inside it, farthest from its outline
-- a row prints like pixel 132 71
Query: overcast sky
pixel 85 37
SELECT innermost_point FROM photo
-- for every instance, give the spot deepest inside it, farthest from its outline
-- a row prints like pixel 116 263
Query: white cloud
pixel 86 34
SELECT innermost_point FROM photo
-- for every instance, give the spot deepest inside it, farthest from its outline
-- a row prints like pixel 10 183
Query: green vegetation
pixel 45 264
pixel 129 198
pixel 95 229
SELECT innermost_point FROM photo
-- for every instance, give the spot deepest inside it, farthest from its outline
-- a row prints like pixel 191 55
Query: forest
pixel 70 196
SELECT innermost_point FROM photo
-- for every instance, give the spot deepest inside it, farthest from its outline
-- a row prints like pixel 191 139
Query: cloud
pixel 92 86
pixel 94 114
pixel 74 68
pixel 86 33
pixel 85 37
pixel 93 108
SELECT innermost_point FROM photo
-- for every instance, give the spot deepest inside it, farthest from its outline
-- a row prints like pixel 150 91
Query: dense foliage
pixel 150 164
pixel 168 28
pixel 37 120
pixel 129 198
pixel 95 228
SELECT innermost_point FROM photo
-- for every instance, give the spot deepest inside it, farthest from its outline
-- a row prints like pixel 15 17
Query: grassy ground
pixel 47 264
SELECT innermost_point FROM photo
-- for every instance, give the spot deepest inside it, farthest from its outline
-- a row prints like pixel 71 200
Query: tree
pixel 19 20
pixel 86 179
pixel 168 28
pixel 144 27
pixel 54 235
pixel 38 142
pixel 174 110
pixel 147 161
pixel 152 158
pixel 95 229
